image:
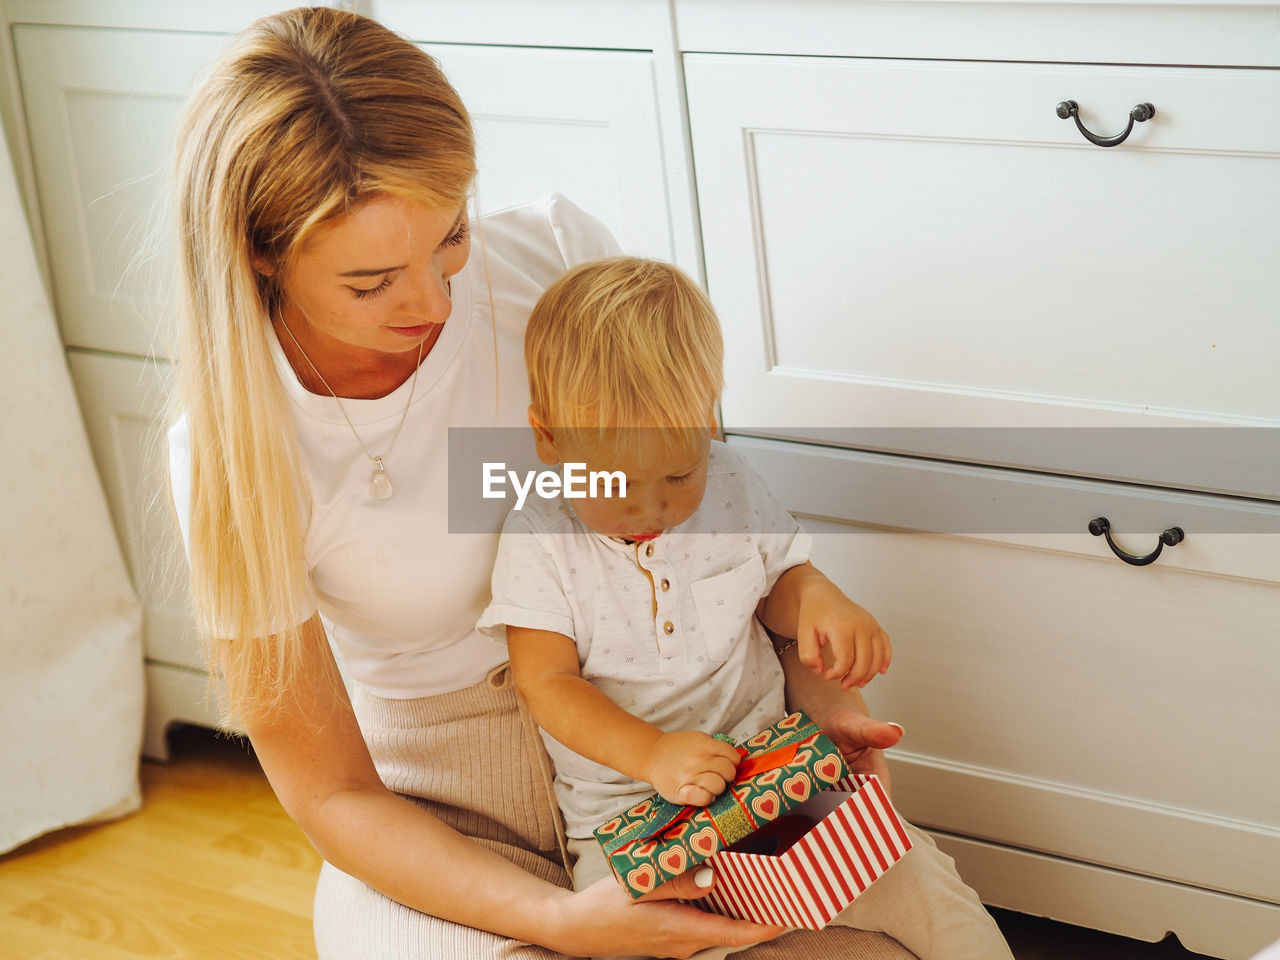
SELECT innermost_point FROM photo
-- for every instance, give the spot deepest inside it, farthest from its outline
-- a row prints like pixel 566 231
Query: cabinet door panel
pixel 123 400
pixel 1223 536
pixel 1056 698
pixel 927 244
pixel 581 123
pixel 100 106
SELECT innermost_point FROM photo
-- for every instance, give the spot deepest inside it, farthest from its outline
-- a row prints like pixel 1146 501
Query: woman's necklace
pixel 380 482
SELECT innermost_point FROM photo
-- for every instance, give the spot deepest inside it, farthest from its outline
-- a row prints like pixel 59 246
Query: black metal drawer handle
pixel 1101 527
pixel 1140 113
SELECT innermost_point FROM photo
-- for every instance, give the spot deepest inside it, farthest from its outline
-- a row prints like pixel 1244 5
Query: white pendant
pixel 380 482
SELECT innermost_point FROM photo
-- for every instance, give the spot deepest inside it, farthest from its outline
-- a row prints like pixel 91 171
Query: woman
pixel 337 319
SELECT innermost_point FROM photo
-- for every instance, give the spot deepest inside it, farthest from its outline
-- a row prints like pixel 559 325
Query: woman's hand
pixel 862 740
pixel 843 716
pixel 601 919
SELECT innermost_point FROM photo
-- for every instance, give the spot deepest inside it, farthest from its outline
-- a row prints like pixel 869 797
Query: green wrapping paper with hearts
pixel 779 769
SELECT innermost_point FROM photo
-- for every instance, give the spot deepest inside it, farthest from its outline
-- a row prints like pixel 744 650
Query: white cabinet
pixel 988 331
pixel 100 106
pixel 1060 701
pixel 100 102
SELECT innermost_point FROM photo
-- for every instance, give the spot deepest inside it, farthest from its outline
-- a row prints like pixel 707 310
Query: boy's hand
pixel 858 645
pixel 691 767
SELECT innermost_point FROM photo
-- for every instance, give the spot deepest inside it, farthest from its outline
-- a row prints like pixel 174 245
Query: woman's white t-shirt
pixel 401 592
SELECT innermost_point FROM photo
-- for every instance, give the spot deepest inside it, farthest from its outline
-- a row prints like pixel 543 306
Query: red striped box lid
pixel 858 838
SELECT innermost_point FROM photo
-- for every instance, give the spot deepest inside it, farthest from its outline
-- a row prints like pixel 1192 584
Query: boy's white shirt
pixel 715 671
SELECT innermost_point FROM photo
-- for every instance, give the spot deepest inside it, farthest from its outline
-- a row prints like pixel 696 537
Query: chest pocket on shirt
pixel 726 603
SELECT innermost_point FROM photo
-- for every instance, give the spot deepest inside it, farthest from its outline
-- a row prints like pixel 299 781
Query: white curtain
pixel 71 674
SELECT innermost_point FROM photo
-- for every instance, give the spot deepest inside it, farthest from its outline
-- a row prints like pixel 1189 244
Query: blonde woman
pixel 339 314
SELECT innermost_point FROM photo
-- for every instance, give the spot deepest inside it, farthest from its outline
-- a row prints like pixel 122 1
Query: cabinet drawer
pixel 101 106
pixel 914 244
pixel 122 401
pixel 1057 699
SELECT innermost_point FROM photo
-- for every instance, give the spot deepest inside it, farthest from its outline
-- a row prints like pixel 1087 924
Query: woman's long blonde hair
pixel 309 113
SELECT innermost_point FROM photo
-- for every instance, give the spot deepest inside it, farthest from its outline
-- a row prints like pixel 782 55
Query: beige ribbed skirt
pixel 474 759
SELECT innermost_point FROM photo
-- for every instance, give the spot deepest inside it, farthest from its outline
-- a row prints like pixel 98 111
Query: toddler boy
pixel 636 623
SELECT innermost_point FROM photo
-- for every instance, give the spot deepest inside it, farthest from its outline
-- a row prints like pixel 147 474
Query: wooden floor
pixel 212 868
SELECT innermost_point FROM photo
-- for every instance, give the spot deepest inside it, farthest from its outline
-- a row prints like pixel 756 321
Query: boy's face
pixel 665 481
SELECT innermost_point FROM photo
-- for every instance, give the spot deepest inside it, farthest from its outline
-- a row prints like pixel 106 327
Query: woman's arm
pixel 685 766
pixel 315 757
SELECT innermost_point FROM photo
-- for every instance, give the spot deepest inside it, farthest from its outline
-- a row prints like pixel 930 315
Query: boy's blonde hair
pixel 624 343
pixel 310 113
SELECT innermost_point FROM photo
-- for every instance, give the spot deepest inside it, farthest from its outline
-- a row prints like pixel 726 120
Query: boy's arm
pixel 685 767
pixel 805 605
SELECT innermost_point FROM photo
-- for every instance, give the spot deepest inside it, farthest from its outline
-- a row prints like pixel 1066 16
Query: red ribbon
pixel 749 767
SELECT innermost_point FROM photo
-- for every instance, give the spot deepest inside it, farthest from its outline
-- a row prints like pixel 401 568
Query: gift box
pixel 804 874
pixel 851 837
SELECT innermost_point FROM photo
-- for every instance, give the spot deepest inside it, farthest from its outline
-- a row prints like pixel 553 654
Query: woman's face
pixel 375 283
